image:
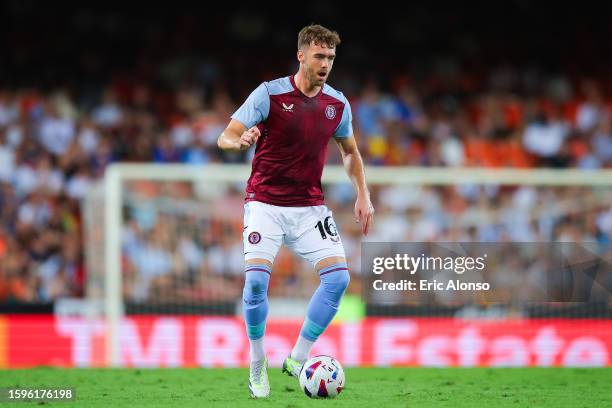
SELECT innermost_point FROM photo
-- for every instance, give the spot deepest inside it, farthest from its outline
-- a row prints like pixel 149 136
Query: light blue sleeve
pixel 345 127
pixel 255 109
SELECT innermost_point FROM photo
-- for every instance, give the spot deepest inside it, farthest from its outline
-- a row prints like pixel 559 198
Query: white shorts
pixel 310 232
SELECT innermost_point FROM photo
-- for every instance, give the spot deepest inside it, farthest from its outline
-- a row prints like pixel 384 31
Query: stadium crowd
pixel 85 85
pixel 52 149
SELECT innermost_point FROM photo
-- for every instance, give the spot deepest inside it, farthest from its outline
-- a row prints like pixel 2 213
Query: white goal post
pixel 118 173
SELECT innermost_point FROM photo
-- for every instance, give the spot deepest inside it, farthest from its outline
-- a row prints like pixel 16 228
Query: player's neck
pixel 305 86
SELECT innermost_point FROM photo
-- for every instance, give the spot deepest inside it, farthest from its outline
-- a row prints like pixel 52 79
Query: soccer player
pixel 291 120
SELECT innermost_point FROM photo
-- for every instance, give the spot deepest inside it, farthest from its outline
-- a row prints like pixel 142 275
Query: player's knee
pixel 344 278
pixel 255 287
pixel 336 282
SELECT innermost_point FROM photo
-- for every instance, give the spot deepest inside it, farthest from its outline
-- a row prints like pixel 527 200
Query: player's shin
pixel 322 308
pixel 255 307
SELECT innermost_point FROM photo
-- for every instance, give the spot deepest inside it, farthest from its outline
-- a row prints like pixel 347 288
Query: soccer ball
pixel 322 377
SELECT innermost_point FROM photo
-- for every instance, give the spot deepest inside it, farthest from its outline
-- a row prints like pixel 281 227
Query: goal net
pixel 164 249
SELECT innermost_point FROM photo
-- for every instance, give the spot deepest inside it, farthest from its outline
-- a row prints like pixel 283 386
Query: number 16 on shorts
pixel 327 228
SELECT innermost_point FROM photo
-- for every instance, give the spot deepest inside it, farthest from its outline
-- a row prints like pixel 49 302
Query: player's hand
pixel 249 138
pixel 364 213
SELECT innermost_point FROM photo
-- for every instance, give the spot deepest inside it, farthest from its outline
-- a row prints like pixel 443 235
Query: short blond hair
pixel 319 34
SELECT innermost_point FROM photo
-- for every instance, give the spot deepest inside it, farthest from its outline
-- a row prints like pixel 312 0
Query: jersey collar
pixel 292 80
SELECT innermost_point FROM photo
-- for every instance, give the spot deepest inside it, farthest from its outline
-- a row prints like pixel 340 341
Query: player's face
pixel 317 61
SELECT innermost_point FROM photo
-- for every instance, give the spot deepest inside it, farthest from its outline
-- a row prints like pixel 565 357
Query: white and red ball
pixel 322 377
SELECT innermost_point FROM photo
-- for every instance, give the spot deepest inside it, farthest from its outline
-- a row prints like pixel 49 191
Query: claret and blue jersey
pixel 295 131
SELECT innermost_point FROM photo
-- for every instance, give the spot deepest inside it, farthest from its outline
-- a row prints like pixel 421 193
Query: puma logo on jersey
pixel 287 108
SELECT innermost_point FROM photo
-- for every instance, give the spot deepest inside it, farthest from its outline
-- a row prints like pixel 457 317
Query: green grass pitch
pixel 365 387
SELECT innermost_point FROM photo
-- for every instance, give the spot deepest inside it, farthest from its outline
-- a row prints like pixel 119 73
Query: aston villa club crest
pixel 330 112
pixel 254 237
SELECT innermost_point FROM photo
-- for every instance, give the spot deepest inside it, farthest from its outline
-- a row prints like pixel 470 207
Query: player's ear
pixel 300 55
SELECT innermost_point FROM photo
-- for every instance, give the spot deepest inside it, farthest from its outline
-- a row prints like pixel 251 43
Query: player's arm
pixel 237 137
pixel 364 211
pixel 242 132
